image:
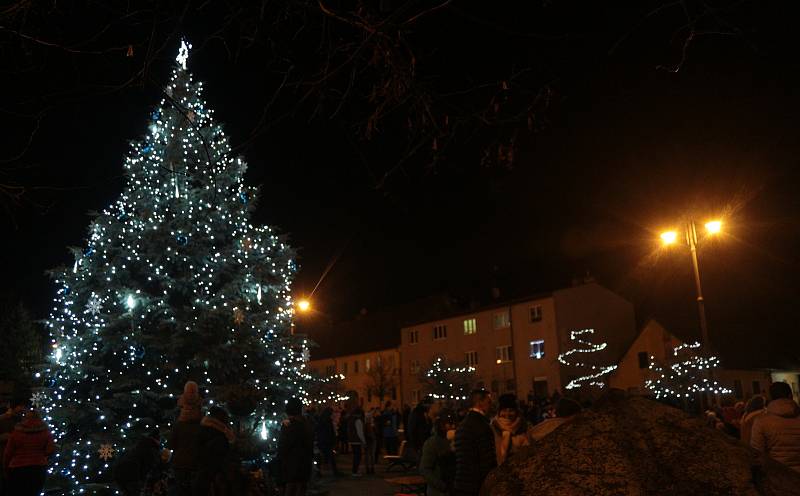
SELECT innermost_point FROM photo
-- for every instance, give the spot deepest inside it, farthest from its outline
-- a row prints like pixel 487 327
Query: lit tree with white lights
pixel 174 283
pixel 594 373
pixel 686 375
pixel 448 382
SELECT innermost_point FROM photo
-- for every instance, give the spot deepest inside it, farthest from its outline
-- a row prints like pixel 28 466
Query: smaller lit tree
pixel 382 377
pixel 448 382
pixel 685 375
pixel 325 390
pixel 595 373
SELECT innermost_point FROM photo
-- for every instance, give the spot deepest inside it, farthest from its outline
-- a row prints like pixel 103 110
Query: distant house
pixel 657 342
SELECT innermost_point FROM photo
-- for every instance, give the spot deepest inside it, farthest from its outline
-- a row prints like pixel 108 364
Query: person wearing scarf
pixel 511 430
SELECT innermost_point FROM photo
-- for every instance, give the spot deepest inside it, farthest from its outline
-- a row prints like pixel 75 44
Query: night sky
pixel 628 146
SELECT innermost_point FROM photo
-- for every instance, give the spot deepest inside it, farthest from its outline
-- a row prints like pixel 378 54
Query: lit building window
pixel 470 326
pixel 537 349
pixel 501 320
pixel 503 353
pixel 367 365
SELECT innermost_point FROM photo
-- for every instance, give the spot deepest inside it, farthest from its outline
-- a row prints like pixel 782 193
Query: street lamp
pixel 304 305
pixel 669 238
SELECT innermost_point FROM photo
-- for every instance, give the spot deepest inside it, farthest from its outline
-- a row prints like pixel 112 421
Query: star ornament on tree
pixel 106 452
pixel 183 54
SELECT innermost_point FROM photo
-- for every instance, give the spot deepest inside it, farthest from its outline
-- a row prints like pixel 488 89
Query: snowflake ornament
pixel 94 306
pixel 106 451
pixel 38 400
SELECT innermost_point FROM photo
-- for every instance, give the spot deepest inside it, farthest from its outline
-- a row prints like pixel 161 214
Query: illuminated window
pixel 366 365
pixel 471 358
pixel 414 337
pixel 470 326
pixel 536 313
pixel 440 332
pixel 503 353
pixel 537 349
pixel 501 320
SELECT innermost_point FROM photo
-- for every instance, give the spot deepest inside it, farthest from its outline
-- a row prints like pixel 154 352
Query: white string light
pixel 448 382
pixel 684 377
pixel 598 371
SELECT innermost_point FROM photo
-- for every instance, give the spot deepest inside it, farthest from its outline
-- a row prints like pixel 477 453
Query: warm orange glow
pixel 303 305
pixel 714 226
pixel 669 237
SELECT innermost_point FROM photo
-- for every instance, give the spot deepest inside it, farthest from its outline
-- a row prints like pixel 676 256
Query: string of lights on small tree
pixel 686 375
pixel 174 283
pixel 594 377
pixel 448 382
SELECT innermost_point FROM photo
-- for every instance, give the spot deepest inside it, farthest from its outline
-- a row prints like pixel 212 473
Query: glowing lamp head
pixel 304 305
pixel 669 237
pixel 131 302
pixel 714 226
pixel 498 361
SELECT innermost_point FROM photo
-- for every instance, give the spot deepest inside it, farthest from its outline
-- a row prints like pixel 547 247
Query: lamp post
pixel 671 237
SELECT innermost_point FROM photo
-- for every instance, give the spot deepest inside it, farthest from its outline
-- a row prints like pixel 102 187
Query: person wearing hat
pixel 25 455
pixel 511 430
pixel 295 450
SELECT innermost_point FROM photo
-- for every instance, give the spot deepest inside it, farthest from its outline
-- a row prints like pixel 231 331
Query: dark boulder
pixel 637 446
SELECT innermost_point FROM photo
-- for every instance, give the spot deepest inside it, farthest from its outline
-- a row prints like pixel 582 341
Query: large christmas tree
pixel 174 283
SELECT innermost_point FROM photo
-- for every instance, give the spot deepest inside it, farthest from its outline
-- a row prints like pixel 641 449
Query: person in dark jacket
pixel 25 456
pixel 184 442
pixel 390 423
pixel 132 468
pixel 295 450
pixel 325 436
pixel 214 440
pixel 474 446
pixel 356 437
pixel 420 427
pixel 438 461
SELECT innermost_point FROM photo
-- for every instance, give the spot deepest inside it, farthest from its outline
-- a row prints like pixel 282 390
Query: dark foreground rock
pixel 639 447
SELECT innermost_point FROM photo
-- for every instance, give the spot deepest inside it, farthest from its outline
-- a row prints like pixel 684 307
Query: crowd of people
pixel 454 449
pixel 770 425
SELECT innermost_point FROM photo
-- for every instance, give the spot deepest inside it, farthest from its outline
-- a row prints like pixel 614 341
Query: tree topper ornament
pixel 183 54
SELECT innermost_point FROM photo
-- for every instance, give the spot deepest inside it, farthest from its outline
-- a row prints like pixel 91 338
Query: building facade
pixel 374 376
pixel 514 346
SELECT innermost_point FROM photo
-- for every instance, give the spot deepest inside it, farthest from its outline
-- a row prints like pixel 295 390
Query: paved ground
pixel 368 485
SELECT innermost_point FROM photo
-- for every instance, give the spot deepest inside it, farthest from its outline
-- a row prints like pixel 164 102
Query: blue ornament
pixel 51 381
pixel 88 251
pixel 182 240
pixel 147 149
pixel 122 216
pixel 66 290
pixel 243 197
pixel 155 115
pixel 138 351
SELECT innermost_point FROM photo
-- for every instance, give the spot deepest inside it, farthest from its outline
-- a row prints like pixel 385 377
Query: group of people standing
pixel 459 454
pixel 770 425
